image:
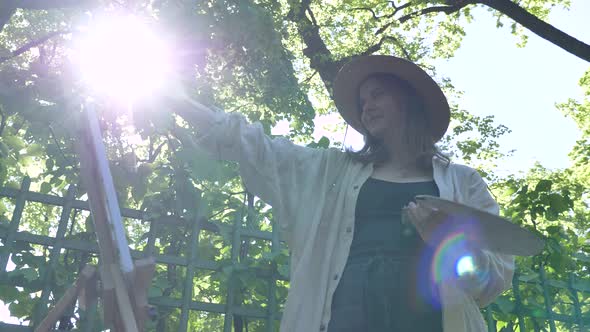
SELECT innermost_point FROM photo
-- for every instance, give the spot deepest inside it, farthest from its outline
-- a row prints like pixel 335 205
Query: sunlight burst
pixel 465 266
pixel 122 58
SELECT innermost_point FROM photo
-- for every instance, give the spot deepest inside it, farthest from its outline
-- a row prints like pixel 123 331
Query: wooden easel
pixel 120 283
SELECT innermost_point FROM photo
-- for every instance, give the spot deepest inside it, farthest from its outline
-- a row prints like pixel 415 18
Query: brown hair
pixel 417 134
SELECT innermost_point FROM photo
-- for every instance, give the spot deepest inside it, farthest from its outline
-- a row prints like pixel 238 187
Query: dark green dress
pixel 385 286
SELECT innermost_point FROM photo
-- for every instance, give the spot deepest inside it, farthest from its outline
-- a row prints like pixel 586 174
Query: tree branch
pixel 540 27
pixel 374 48
pixel 436 9
pixel 31 44
pixel 310 77
pixel 316 51
pixel 312 17
pixel 59 148
pixel 515 12
pixel 396 9
pixel 383 28
pixel 156 153
pixel 369 10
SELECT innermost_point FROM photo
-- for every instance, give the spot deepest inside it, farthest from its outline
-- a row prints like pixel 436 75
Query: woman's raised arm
pixel 278 171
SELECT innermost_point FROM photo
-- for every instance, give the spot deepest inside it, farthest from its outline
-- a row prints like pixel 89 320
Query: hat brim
pixel 352 74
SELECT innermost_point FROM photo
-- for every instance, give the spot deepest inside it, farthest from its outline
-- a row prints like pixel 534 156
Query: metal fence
pixel 248 291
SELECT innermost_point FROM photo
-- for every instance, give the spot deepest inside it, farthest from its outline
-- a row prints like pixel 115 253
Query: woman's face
pixel 380 106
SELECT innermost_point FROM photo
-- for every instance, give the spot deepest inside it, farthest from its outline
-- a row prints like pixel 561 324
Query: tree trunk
pixel 316 51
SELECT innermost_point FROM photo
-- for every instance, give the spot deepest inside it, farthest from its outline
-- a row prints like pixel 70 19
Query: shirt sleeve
pixel 275 169
pixel 495 270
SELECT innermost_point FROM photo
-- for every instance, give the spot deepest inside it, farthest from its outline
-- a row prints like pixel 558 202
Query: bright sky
pixel 520 86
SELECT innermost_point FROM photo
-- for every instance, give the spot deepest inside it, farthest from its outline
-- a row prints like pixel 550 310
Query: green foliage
pixel 473 140
pixel 272 61
pixel 545 203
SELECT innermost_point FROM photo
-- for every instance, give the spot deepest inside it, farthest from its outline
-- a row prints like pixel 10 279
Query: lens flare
pixel 453 256
pixel 121 57
pixel 465 266
pixel 452 259
pixel 446 255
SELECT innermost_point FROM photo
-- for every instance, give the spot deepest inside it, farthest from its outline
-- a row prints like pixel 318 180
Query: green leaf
pixel 34 150
pixel 139 190
pixel 558 261
pixel 543 186
pixel 582 284
pixel 162 283
pixel 30 274
pixel 554 245
pixel 3 172
pixel 558 203
pixel 203 167
pixel 537 312
pixel 15 143
pixel 9 293
pixel 4 150
pixel 324 142
pixel 45 187
pixel 270 256
pixel 528 277
pixel 155 291
pixel 283 270
pixel 581 257
pixel 505 304
pixel 552 230
pixel 49 163
pixel 21 309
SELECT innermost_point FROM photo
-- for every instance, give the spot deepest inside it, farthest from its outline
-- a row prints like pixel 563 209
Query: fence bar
pixel 235 253
pixel 19 206
pixel 187 293
pixel 548 303
pixel 233 307
pixel 48 274
pixel 213 226
pixel 490 319
pixel 518 308
pixel 89 317
pixel 151 239
pixel 577 307
pixel 272 298
pixel 160 259
pixel 59 201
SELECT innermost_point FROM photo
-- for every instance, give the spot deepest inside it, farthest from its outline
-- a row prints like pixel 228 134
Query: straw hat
pixel 352 74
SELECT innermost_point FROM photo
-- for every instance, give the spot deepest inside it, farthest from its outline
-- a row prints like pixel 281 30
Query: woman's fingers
pixel 424 219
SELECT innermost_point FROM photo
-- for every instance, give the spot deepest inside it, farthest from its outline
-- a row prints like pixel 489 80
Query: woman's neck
pixel 399 155
pixel 401 162
pixel 401 173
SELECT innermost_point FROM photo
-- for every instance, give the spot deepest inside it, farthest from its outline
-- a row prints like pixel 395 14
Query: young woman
pixel 356 263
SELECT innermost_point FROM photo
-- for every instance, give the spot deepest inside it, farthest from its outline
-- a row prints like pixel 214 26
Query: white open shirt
pixel 313 193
